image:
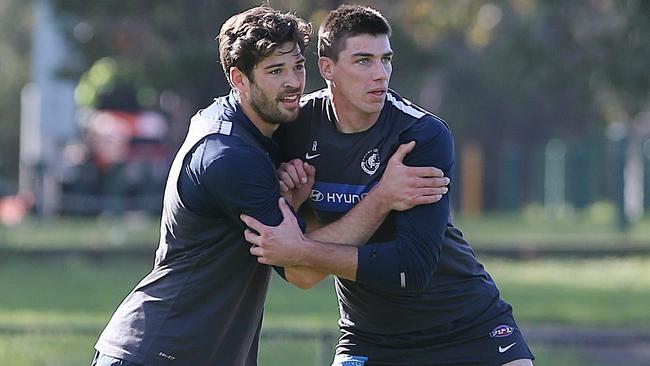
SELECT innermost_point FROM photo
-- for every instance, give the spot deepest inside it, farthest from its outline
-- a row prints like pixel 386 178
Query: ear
pixel 239 81
pixel 326 66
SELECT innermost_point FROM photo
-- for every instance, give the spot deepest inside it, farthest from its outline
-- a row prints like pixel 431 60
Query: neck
pixel 265 128
pixel 348 117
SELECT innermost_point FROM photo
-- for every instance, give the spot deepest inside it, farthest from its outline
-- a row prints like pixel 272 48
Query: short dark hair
pixel 348 21
pixel 248 37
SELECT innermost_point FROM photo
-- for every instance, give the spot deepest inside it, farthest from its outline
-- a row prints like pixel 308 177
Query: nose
pixel 294 80
pixel 381 71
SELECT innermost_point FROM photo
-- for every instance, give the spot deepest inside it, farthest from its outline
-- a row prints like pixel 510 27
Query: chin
pixel 288 119
pixel 292 116
pixel 374 109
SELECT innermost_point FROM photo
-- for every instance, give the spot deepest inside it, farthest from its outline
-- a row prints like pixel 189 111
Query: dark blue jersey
pixel 417 272
pixel 202 302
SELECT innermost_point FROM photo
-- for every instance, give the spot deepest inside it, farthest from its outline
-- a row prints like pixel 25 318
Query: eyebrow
pixel 272 66
pixel 366 54
pixel 281 64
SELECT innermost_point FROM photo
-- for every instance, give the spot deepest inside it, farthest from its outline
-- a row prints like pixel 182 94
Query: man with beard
pixel 202 303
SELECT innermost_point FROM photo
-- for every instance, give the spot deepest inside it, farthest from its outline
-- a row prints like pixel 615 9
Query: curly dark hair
pixel 348 21
pixel 247 38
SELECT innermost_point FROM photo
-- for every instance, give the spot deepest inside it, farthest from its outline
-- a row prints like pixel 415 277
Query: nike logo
pixel 309 157
pixel 503 349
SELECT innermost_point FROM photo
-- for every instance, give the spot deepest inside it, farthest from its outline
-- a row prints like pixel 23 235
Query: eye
pixel 299 67
pixel 363 61
pixel 387 59
pixel 275 71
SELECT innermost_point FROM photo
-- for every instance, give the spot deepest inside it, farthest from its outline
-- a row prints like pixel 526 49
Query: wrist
pixel 292 201
pixel 305 251
pixel 379 199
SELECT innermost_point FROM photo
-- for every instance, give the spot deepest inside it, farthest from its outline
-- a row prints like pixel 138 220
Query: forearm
pixel 358 225
pixel 303 277
pixel 411 257
pixel 338 260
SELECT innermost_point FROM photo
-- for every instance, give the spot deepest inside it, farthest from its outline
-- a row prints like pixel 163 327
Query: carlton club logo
pixel 370 162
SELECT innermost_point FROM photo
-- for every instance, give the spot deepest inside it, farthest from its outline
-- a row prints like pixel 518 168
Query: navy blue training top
pixel 202 302
pixel 212 191
pixel 249 185
pixel 417 272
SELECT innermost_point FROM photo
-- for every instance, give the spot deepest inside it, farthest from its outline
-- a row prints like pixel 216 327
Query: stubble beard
pixel 269 108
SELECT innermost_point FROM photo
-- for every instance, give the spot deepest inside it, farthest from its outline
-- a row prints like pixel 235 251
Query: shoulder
pixel 417 121
pixel 434 141
pixel 222 108
pixel 430 127
pixel 216 110
pixel 238 152
pixel 404 107
pixel 227 157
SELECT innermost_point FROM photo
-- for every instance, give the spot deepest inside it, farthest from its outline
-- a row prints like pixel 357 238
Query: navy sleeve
pixel 410 260
pixel 245 181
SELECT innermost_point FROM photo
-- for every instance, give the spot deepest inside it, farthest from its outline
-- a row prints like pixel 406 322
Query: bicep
pixel 249 187
pixel 428 222
pixel 434 147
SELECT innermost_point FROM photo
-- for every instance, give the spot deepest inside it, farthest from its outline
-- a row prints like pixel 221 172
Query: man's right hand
pixel 276 245
pixel 296 180
pixel 403 187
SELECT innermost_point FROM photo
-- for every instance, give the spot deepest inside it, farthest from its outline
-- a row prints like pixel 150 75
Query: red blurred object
pixel 14 208
pixel 116 137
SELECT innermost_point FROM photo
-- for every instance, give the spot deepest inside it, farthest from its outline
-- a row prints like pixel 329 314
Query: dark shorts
pixel 101 359
pixel 492 343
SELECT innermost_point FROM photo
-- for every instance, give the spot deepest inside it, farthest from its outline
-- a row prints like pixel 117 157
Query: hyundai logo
pixel 316 196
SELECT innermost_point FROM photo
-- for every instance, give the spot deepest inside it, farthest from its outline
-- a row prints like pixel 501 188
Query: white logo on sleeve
pixel 309 157
pixel 504 349
pixel 370 162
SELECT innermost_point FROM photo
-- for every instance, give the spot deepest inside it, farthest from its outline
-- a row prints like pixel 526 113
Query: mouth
pixel 290 98
pixel 380 93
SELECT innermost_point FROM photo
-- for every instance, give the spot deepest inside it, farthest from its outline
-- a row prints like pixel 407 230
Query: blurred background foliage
pixel 527 69
pixel 508 74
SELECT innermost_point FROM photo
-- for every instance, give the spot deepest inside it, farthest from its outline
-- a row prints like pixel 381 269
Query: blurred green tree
pixel 15 41
pixel 524 71
pixel 503 72
pixel 154 45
